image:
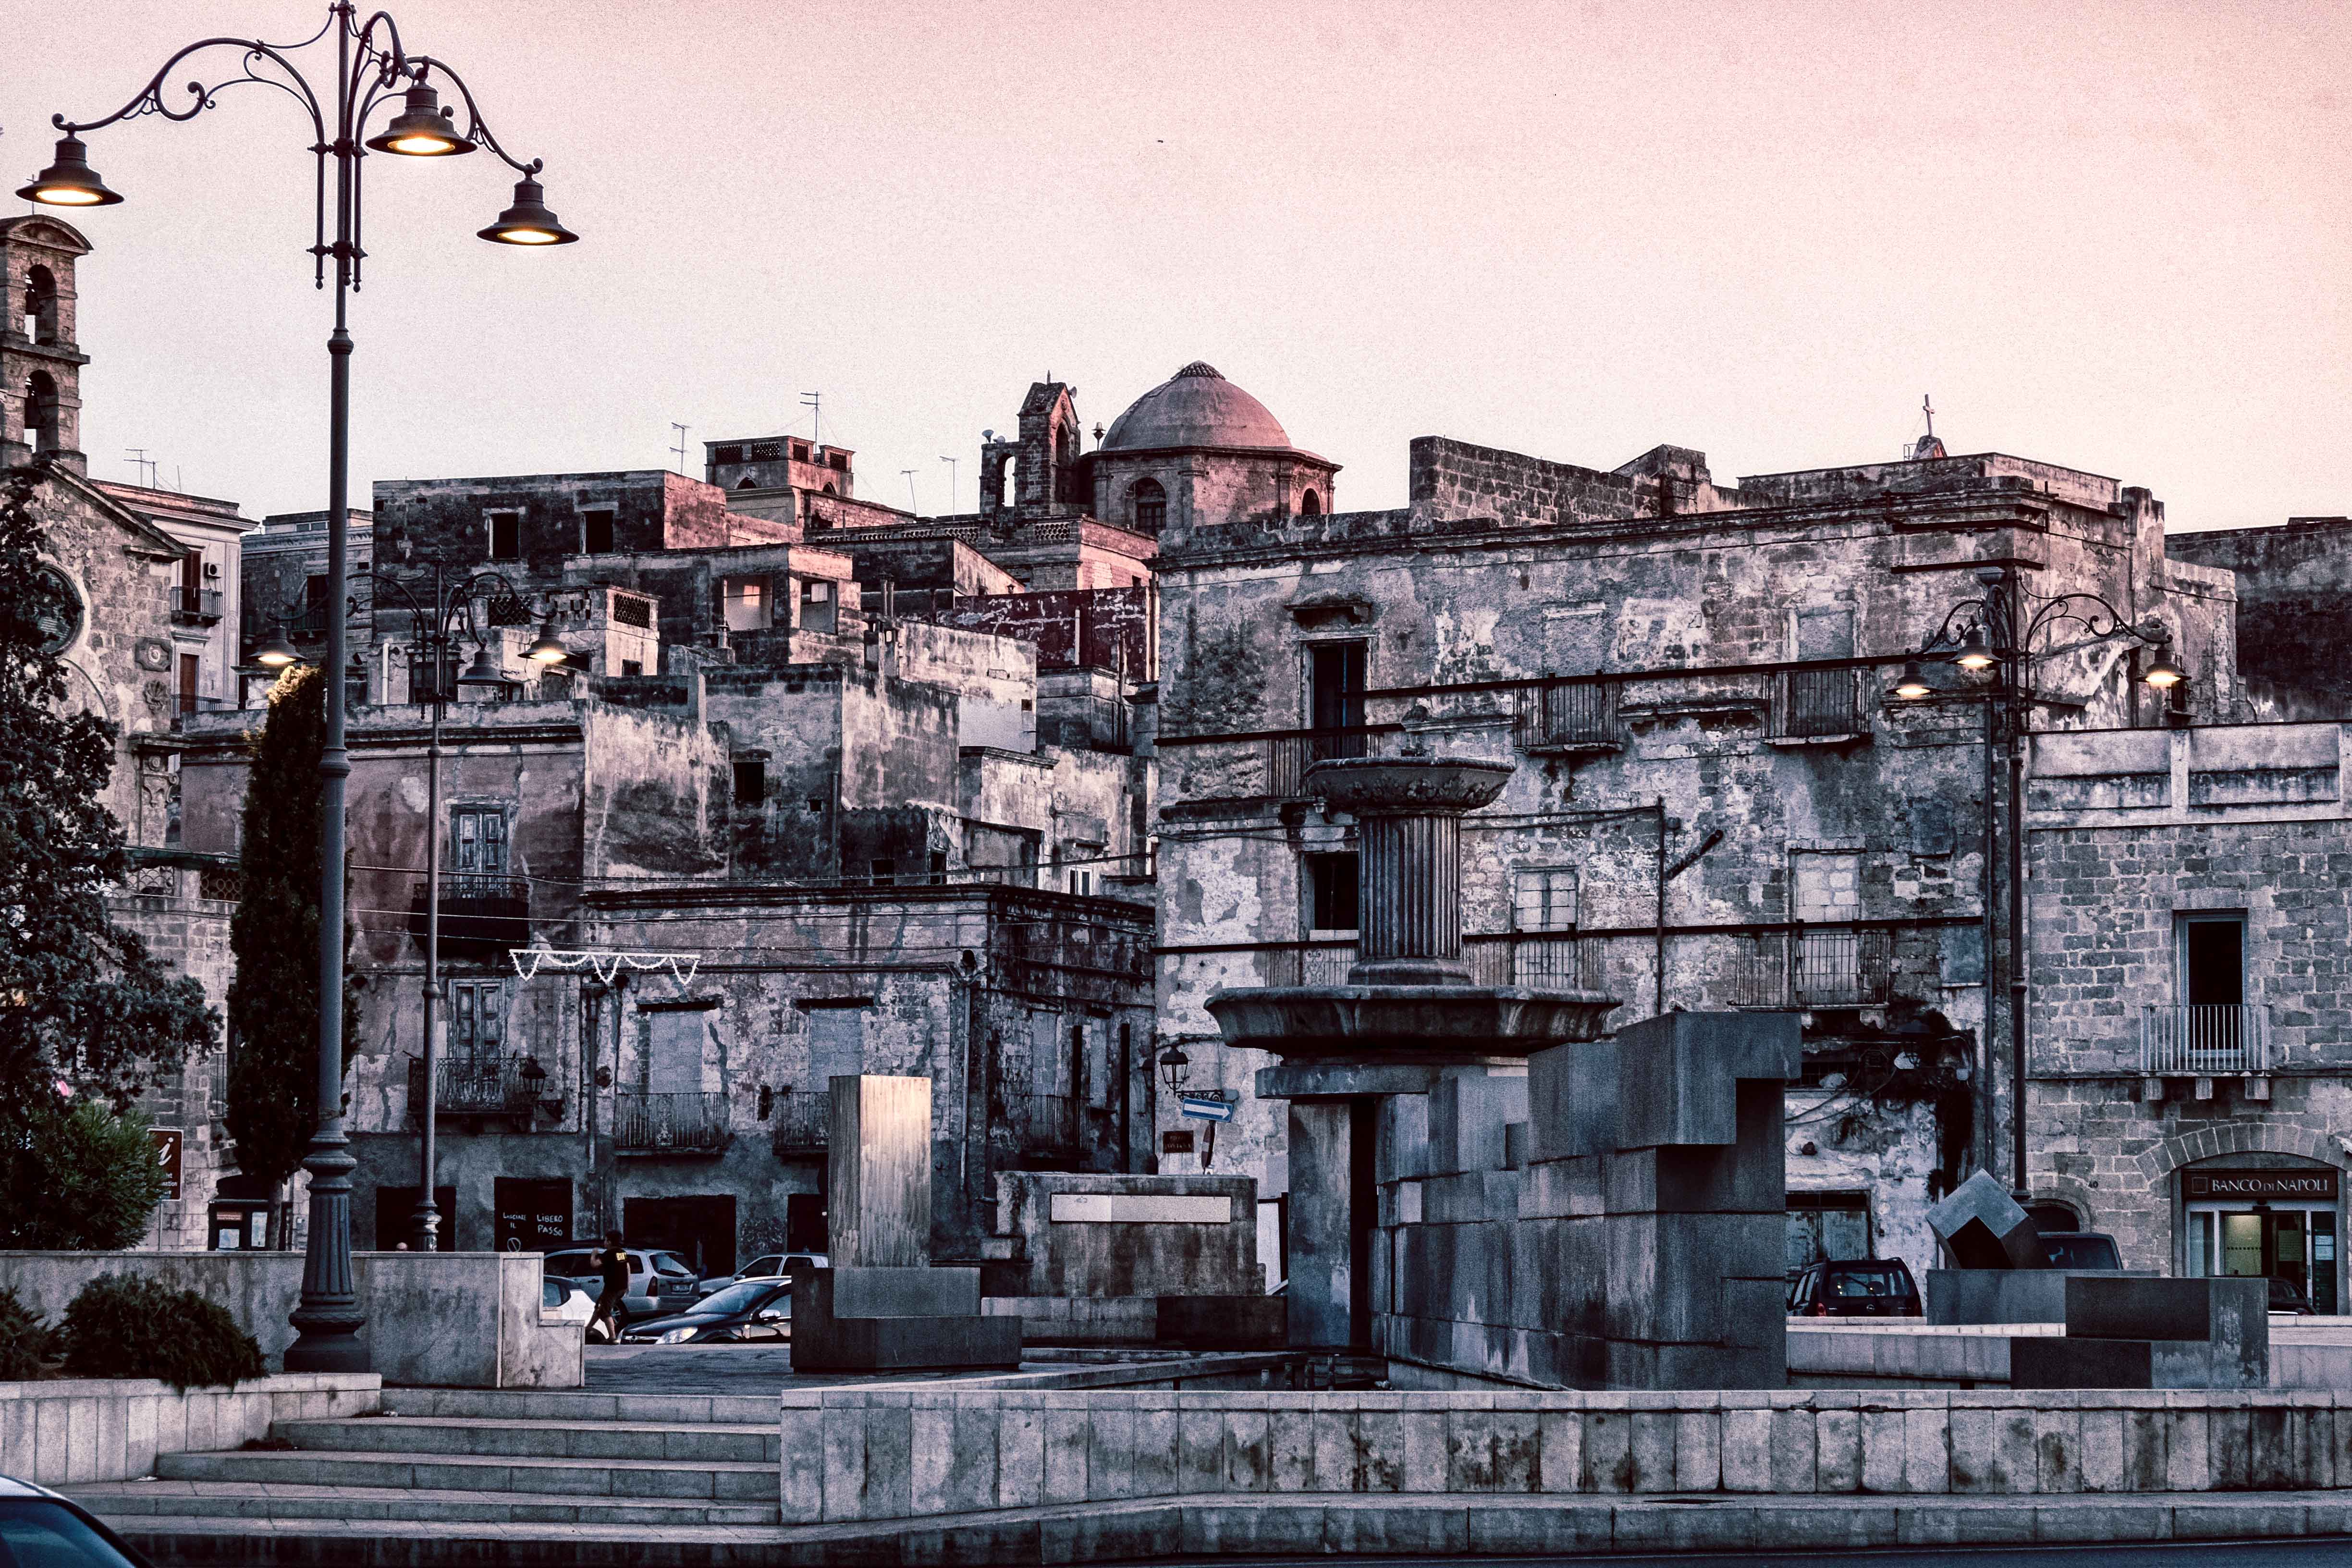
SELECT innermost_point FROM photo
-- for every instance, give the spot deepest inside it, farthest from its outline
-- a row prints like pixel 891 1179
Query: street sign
pixel 167 1140
pixel 1208 1110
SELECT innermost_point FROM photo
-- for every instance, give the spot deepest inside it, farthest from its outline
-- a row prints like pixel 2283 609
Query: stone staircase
pixel 455 1457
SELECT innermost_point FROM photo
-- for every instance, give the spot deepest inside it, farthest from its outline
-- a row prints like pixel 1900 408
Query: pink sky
pixel 2113 237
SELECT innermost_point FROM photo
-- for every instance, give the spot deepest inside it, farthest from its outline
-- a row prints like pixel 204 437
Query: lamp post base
pixel 330 1317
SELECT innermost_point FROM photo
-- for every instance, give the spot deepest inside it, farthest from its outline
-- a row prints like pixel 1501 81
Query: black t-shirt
pixel 616 1269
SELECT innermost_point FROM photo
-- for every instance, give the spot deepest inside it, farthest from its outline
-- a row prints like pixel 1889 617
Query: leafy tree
pixel 85 1011
pixel 96 1174
pixel 273 1003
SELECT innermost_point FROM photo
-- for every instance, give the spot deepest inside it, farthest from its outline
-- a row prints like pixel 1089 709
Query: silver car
pixel 651 1292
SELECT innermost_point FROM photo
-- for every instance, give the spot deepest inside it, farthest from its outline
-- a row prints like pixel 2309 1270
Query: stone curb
pixel 1241 1528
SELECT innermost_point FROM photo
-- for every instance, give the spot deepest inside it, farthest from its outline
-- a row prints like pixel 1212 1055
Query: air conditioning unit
pixel 212 568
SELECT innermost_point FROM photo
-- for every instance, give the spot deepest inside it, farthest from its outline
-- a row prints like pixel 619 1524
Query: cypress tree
pixel 273 1004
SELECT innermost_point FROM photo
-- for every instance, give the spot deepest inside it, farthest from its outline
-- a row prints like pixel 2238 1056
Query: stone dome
pixel 1194 407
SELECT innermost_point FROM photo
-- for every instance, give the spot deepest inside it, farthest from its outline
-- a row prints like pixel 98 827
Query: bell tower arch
pixel 40 361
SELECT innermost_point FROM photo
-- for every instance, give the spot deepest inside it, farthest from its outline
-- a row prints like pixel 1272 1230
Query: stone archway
pixel 2241 1138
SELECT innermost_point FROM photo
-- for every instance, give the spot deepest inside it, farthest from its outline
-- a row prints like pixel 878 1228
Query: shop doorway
pixel 2275 1223
pixel 533 1215
pixel 395 1217
pixel 701 1229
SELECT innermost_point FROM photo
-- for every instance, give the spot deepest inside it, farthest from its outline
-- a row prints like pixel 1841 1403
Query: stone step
pixel 540 1439
pixel 220 1500
pixel 710 1480
pixel 533 1404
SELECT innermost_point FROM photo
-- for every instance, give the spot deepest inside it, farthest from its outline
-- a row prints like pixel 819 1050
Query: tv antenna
pixel 815 403
pixel 140 459
pixel 912 504
pixel 951 462
pixel 680 447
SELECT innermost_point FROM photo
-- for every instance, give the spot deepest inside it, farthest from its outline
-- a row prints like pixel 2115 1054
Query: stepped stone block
pixel 1983 1227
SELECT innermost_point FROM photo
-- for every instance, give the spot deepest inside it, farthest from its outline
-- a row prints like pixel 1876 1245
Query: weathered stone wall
pixel 2294 592
pixel 1109 628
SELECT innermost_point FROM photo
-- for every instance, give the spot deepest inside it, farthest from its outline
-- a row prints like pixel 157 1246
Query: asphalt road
pixel 2334 1553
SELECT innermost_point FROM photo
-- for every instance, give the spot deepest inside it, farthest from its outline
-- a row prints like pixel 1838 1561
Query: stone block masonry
pixel 111 1430
pixel 879 1454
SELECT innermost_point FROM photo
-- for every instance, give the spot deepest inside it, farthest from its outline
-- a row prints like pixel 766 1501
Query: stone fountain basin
pixel 1406 785
pixel 1407 1023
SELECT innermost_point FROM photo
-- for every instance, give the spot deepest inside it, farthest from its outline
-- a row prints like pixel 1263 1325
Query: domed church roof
pixel 1195 407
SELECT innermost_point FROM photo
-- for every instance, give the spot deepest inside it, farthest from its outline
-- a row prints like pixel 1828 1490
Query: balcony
pixel 1814 707
pixel 1814 968
pixel 1567 719
pixel 1287 756
pixel 688 1123
pixel 2185 1040
pixel 509 1086
pixel 196 606
pixel 1536 961
pixel 802 1123
pixel 482 916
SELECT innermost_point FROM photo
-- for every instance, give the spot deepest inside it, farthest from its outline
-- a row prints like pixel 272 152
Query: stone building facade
pixel 1713 804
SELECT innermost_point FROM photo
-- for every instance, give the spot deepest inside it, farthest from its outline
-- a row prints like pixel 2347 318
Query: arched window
pixel 40 314
pixel 1311 505
pixel 41 413
pixel 1151 505
pixel 747 483
pixel 829 489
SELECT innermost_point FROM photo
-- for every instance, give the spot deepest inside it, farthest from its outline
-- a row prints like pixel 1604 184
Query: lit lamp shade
pixel 69 181
pixel 548 649
pixel 276 652
pixel 421 130
pixel 2163 674
pixel 1976 652
pixel 1911 685
pixel 528 222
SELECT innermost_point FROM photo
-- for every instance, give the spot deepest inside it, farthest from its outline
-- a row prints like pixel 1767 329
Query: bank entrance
pixel 2277 1223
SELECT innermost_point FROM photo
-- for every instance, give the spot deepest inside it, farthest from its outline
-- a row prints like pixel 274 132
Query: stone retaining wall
pixel 111 1430
pixel 874 1454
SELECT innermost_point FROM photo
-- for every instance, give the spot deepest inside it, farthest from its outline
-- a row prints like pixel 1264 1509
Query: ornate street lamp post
pixel 1995 632
pixel 434 633
pixel 372 68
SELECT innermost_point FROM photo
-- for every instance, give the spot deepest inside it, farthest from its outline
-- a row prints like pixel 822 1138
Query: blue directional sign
pixel 1208 1110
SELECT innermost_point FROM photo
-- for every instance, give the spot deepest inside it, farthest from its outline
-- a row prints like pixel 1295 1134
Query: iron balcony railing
pixel 802 1122
pixel 482 1084
pixel 1538 960
pixel 685 1124
pixel 1568 716
pixel 2201 1040
pixel 199 605
pixel 1815 968
pixel 483 914
pixel 1814 703
pixel 1288 756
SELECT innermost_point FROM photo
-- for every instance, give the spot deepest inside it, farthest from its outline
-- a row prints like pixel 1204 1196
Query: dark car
pixel 753 1311
pixel 2082 1249
pixel 1855 1288
pixel 39 1527
pixel 2286 1296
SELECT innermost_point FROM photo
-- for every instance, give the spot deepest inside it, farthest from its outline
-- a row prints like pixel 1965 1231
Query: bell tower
pixel 40 367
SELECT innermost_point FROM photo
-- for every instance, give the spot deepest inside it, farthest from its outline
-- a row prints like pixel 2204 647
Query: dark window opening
pixel 728 454
pixel 885 873
pixel 2213 962
pixel 630 666
pixel 746 483
pixel 1331 892
pixel 1151 505
pixel 506 535
pixel 41 413
pixel 816 804
pixel 596 532
pixel 1335 685
pixel 1311 505
pixel 837 462
pixel 40 322
pixel 750 781
pixel 479 839
pixel 938 866
pixel 829 489
pixel 189 669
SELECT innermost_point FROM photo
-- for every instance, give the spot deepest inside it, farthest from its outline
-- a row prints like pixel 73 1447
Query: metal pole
pixel 428 1213
pixel 329 1317
pixel 1658 959
pixel 1988 1136
pixel 2022 1188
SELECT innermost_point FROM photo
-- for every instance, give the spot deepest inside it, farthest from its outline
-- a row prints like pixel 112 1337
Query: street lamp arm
pixel 1956 624
pixel 2103 624
pixel 477 130
pixel 150 99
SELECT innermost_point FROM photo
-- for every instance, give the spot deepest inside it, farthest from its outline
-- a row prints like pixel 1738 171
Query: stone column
pixel 1409 887
pixel 1321 1262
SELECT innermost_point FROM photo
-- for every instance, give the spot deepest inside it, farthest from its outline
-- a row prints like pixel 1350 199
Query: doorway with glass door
pixel 2278 1224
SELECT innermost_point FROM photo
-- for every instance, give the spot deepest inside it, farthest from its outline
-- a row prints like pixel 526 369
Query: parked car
pixel 39 1527
pixel 767 1266
pixel 2287 1297
pixel 675 1263
pixel 2085 1249
pixel 651 1291
pixel 1855 1288
pixel 567 1300
pixel 756 1310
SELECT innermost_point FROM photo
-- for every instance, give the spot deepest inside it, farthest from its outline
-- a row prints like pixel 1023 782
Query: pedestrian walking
pixel 613 1263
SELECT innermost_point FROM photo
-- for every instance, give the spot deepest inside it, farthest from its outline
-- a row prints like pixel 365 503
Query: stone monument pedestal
pixel 881 1307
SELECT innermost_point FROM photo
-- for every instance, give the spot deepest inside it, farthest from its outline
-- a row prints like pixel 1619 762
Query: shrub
pixel 131 1326
pixel 24 1341
pixel 76 1177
